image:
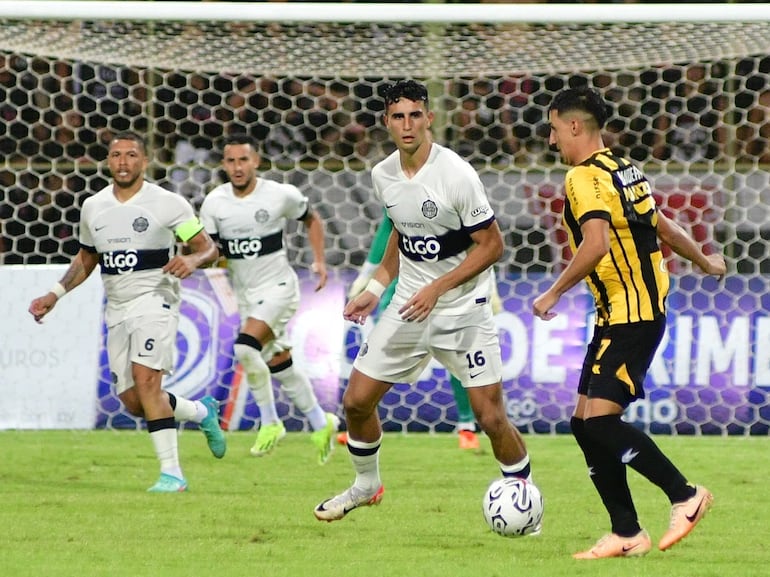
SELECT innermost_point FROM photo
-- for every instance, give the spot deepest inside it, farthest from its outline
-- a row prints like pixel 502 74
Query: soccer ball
pixel 513 507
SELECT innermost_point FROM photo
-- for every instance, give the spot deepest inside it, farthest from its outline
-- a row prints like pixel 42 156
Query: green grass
pixel 74 504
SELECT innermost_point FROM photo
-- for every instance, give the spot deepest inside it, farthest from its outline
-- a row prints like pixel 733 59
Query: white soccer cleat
pixel 337 507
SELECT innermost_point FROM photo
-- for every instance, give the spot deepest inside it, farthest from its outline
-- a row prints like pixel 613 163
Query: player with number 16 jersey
pixel 434 214
pixel 444 240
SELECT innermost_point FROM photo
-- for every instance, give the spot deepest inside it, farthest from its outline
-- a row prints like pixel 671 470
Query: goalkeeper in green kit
pixel 466 421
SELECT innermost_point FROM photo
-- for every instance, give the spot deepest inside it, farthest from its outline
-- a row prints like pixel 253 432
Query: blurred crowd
pixel 58 117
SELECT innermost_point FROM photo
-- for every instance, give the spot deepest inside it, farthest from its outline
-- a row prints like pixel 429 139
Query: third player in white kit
pixel 247 216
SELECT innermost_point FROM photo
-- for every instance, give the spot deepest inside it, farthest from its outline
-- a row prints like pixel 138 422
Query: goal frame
pixel 488 43
pixel 382 12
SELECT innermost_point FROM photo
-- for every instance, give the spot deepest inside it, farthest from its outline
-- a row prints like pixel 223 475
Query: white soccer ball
pixel 513 507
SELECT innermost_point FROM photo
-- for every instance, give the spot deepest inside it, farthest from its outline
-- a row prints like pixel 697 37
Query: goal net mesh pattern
pixel 691 107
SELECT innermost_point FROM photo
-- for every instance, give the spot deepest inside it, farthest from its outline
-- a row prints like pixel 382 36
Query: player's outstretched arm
pixel 373 258
pixel 366 301
pixel 672 234
pixel 315 235
pixel 80 268
pixel 593 247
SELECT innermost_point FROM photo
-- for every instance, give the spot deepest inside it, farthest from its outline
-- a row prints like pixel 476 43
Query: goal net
pixel 691 92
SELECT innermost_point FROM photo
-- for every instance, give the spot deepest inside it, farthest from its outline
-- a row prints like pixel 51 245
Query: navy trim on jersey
pixel 306 214
pixel 239 248
pixel 125 261
pixel 87 248
pixel 480 226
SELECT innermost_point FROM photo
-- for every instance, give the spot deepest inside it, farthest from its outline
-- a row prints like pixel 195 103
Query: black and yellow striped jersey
pixel 631 282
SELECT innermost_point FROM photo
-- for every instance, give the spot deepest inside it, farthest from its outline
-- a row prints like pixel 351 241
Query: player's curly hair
pixel 409 89
pixel 585 99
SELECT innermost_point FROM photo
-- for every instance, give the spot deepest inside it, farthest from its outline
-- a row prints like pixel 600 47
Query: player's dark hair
pixel 133 137
pixel 584 99
pixel 409 89
pixel 240 138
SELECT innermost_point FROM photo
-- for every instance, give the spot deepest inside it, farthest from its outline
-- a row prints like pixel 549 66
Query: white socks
pixel 300 391
pixel 366 462
pixel 167 450
pixel 258 377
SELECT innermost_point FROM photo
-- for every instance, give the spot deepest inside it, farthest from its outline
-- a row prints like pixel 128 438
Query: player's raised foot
pixel 468 440
pixel 210 427
pixel 168 484
pixel 337 507
pixel 614 545
pixel 267 438
pixel 684 517
pixel 323 439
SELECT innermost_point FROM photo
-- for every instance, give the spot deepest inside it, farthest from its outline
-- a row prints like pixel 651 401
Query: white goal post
pixel 382 12
pixel 690 85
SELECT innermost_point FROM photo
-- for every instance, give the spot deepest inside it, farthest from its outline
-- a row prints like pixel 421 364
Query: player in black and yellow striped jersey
pixel 614 229
pixel 630 282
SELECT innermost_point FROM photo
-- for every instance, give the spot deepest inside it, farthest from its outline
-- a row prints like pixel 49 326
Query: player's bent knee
pixel 357 407
pixel 493 423
pixel 132 405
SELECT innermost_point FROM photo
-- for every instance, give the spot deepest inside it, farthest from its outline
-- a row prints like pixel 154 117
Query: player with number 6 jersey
pixel 129 229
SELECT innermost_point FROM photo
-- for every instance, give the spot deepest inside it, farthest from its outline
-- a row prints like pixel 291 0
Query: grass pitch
pixel 74 504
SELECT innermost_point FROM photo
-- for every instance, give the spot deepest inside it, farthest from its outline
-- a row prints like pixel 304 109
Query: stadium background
pixel 691 103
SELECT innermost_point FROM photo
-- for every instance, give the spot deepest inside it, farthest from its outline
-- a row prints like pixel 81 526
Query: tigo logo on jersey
pixel 420 247
pixel 244 247
pixel 120 262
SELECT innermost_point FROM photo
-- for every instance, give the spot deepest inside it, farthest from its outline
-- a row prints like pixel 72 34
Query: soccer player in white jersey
pixel 247 217
pixel 130 228
pixel 444 240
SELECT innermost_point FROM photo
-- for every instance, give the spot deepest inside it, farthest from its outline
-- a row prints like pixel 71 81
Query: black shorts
pixel 618 359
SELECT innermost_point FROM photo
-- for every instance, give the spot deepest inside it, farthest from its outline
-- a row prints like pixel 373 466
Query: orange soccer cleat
pixel 614 545
pixel 468 440
pixel 684 517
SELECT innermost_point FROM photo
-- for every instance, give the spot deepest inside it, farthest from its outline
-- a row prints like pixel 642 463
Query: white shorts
pixel 148 340
pixel 397 351
pixel 275 306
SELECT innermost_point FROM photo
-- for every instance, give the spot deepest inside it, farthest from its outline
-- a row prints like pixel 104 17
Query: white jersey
pixel 250 231
pixel 134 240
pixel 434 213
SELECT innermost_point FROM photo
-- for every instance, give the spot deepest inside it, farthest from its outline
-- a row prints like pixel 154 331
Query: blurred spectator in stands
pixel 752 113
pixel 690 127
